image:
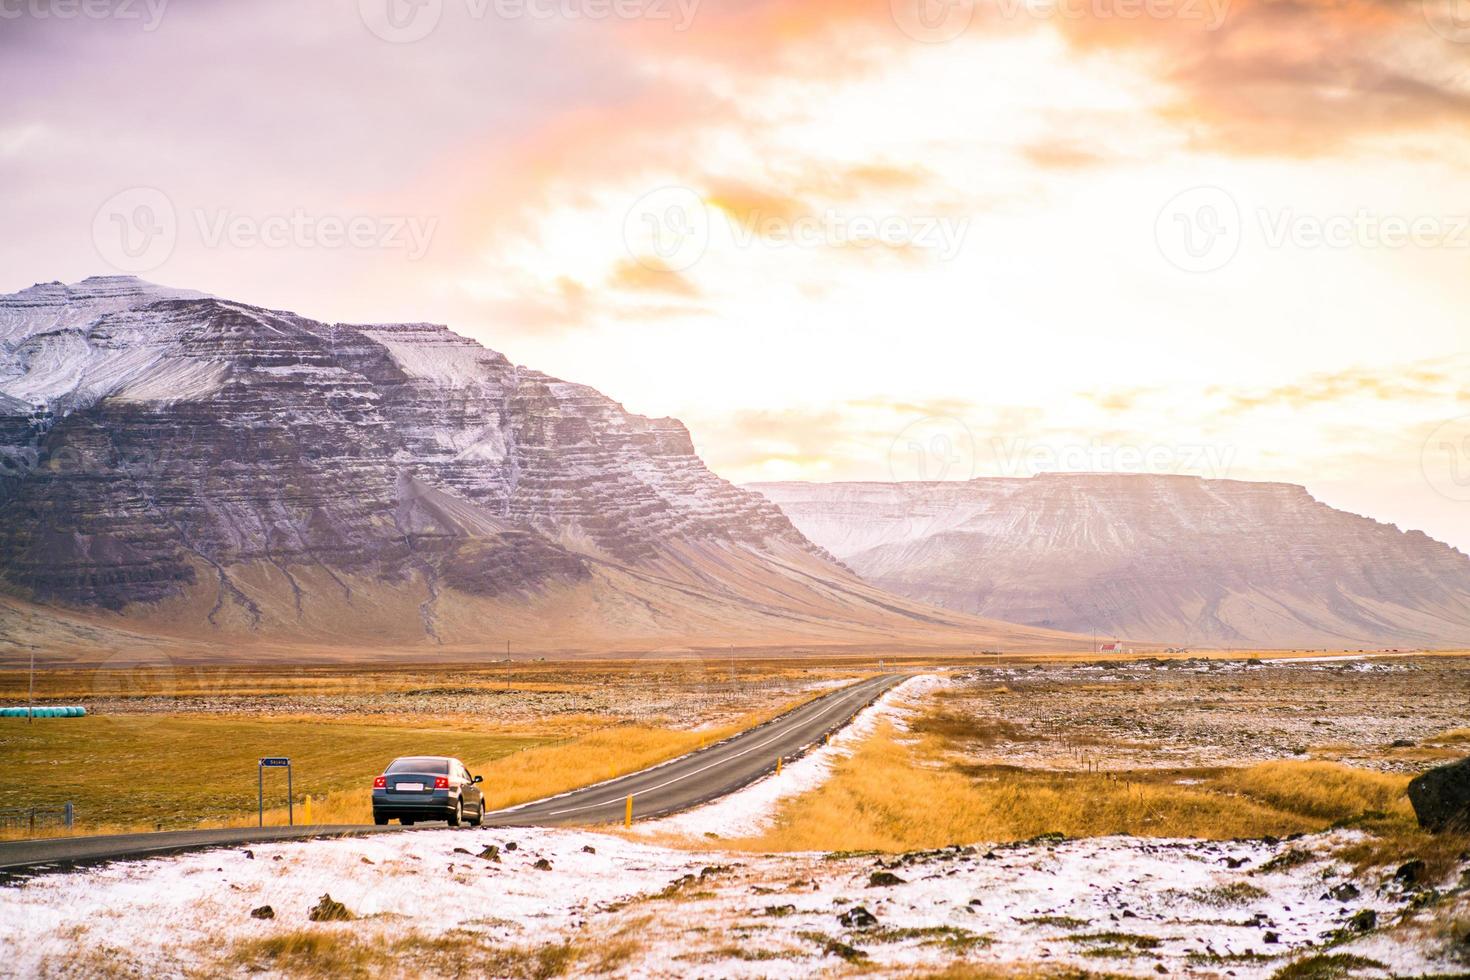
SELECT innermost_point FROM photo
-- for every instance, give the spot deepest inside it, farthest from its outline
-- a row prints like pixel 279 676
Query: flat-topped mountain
pixel 206 467
pixel 1179 560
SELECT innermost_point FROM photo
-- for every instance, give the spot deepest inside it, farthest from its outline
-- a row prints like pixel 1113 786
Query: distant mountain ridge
pixel 206 467
pixel 1178 560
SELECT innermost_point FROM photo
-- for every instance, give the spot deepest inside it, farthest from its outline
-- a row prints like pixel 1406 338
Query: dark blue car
pixel 428 787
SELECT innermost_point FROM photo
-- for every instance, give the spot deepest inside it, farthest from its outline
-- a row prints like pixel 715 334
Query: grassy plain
pixel 175 747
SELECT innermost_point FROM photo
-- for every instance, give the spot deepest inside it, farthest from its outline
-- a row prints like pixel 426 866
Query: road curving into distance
pixel 685 782
pixel 707 774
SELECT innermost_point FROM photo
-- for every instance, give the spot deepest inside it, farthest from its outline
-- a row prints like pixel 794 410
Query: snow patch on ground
pixel 1131 905
pixel 752 810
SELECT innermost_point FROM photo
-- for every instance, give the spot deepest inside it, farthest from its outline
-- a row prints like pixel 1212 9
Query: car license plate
pixel 410 787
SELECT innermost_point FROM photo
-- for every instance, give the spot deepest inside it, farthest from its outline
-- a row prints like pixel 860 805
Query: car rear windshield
pixel 437 766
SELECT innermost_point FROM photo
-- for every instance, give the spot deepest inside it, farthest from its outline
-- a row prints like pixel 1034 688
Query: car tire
pixel 479 816
pixel 380 821
pixel 457 816
pixel 405 823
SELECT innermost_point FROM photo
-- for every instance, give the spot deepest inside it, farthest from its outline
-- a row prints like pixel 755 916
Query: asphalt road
pixel 685 782
pixel 707 774
pixel 64 852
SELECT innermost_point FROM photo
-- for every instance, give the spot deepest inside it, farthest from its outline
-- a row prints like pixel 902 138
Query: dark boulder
pixel 1410 872
pixel 858 917
pixel 1441 797
pixel 264 912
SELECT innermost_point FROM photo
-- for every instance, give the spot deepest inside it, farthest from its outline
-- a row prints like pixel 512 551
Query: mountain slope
pixel 1177 560
pixel 206 467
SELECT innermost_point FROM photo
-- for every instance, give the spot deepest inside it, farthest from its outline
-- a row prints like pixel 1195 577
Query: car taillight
pixel 380 783
pixel 441 782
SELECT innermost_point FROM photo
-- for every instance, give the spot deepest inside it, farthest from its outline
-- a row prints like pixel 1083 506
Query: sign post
pixel 273 762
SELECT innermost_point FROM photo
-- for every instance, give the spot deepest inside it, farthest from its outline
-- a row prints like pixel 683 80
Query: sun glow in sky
pixel 1221 237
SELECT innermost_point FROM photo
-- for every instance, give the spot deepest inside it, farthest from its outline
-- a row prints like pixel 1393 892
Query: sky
pixel 839 239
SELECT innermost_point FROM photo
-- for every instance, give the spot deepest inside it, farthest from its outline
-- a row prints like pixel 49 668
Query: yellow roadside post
pixel 778 765
pixel 628 814
pixel 307 806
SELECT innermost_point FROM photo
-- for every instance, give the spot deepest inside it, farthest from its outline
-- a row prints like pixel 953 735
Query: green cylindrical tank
pixel 45 711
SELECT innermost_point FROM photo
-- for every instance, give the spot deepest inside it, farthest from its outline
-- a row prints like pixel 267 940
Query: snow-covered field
pixel 1128 904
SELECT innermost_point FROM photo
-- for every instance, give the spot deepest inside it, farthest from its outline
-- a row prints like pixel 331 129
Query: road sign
pixel 273 762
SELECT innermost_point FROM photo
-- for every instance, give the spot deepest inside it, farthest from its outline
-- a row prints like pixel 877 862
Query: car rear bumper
pixel 413 812
pixel 438 805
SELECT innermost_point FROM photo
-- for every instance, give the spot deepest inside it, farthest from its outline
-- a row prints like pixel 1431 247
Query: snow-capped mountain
pixel 209 466
pixel 1179 560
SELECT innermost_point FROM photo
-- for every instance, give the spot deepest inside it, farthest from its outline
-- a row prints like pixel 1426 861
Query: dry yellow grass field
pixel 902 793
pixel 541 771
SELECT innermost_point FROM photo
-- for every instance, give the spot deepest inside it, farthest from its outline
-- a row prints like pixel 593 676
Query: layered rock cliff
pixel 207 465
pixel 1179 560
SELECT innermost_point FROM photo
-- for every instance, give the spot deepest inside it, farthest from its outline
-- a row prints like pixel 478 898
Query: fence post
pixel 628 814
pixel 68 815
